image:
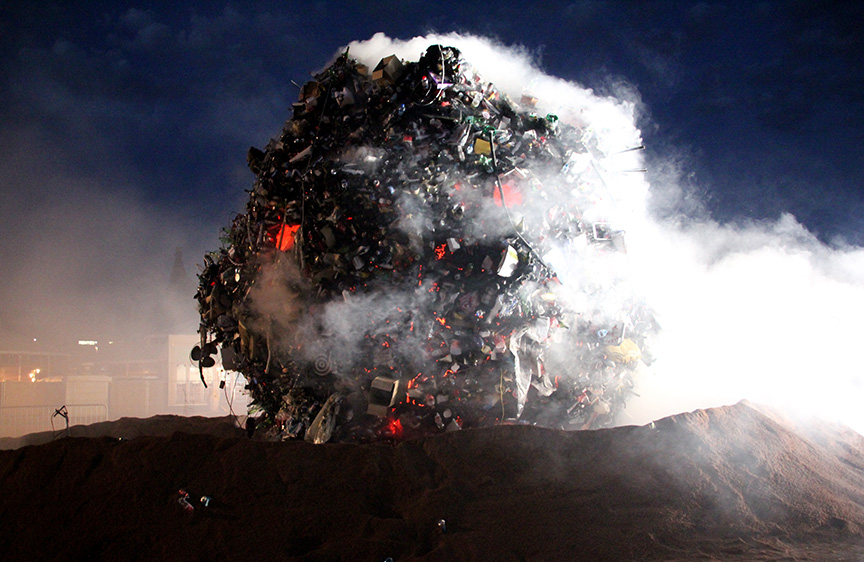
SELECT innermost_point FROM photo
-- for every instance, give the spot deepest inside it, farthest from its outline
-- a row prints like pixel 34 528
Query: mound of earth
pixel 729 483
pixel 127 428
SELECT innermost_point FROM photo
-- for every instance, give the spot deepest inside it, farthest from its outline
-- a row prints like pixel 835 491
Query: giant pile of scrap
pixel 392 275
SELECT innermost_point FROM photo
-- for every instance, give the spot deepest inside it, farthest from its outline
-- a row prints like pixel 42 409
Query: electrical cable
pixel 507 210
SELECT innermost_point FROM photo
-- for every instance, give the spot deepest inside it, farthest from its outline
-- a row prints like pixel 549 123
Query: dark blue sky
pixel 124 126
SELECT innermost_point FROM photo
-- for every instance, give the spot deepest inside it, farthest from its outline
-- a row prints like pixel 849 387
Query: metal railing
pixel 21 420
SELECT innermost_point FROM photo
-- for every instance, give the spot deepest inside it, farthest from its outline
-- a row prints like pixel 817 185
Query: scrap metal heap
pixel 392 274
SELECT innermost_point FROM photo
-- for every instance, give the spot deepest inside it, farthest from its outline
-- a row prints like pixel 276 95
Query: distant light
pixel 86 342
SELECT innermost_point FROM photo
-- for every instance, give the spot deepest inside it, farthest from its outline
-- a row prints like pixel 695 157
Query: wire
pixel 303 177
pixel 230 400
pixel 507 210
pixel 501 389
pixel 269 355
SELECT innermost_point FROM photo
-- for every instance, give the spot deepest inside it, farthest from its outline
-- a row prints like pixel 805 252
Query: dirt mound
pixel 128 428
pixel 729 483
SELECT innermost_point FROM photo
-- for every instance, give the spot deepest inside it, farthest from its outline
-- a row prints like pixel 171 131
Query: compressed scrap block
pixel 388 71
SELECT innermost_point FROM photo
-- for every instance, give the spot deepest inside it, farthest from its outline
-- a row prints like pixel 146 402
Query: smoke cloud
pixel 761 311
pixel 86 257
pixel 749 310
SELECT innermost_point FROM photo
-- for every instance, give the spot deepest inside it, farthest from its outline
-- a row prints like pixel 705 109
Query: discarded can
pixel 184 501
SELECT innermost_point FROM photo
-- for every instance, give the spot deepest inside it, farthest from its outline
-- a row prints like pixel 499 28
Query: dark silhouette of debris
pixel 391 276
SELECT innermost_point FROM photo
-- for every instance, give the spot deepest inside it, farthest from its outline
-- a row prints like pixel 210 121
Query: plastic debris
pixel 397 270
pixel 184 501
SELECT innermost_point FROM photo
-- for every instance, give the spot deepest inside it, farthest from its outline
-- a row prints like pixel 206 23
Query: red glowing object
pixel 283 236
pixel 511 195
pixel 395 428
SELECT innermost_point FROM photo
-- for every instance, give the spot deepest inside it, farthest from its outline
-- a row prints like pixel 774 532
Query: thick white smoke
pixel 764 312
pixel 761 311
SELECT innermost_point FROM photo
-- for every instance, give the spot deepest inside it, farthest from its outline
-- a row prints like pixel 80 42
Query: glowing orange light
pixel 283 236
pixel 440 251
pixel 395 427
pixel 413 382
pixel 511 195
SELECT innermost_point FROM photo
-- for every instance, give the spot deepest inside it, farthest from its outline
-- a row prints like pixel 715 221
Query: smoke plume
pixel 749 310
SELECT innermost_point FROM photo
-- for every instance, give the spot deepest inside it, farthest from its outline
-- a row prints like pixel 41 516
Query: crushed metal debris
pixel 393 273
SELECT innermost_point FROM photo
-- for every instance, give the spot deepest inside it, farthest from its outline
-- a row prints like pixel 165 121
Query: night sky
pixel 124 126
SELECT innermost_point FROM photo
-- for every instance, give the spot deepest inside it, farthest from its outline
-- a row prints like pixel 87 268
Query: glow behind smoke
pixel 763 311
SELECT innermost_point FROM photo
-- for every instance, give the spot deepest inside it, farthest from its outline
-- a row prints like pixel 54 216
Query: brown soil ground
pixel 730 483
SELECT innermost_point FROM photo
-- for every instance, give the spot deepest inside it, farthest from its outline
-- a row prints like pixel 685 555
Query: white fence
pixel 21 420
